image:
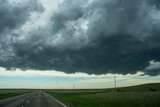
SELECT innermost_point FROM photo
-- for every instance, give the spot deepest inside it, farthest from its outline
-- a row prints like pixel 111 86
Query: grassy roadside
pixel 8 95
pixel 11 93
pixel 138 96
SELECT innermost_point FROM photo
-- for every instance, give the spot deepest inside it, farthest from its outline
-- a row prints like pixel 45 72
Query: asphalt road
pixel 34 99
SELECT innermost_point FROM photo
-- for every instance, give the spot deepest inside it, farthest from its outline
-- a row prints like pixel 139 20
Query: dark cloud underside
pixel 98 36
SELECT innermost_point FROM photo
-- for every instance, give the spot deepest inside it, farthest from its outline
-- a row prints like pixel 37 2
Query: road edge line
pixel 56 100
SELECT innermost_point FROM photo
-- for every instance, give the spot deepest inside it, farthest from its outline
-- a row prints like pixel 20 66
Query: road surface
pixel 34 99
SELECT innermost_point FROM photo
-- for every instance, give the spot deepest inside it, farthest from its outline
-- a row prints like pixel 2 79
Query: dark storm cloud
pixel 68 11
pixel 153 68
pixel 93 36
pixel 14 15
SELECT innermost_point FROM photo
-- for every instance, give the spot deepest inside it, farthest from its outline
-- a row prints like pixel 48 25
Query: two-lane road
pixel 34 99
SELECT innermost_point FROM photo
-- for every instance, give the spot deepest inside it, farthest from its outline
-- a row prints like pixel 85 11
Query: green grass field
pixel 7 93
pixel 135 96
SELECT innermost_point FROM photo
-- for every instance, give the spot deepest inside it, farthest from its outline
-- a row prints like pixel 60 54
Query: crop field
pixel 136 96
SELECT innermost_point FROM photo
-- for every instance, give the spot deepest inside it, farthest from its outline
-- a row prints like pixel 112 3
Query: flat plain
pixel 147 95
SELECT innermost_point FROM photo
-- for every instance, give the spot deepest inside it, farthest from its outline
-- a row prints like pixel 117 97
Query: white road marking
pixel 22 106
pixel 57 100
pixel 27 102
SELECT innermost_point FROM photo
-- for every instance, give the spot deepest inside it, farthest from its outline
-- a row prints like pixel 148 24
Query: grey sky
pixel 91 36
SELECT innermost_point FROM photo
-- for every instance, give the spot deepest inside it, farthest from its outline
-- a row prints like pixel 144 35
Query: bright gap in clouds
pixel 60 80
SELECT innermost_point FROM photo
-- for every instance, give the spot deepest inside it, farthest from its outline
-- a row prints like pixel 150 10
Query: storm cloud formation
pixel 13 15
pixel 92 36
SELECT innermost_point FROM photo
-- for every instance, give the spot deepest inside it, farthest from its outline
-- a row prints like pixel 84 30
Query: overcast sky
pixel 91 37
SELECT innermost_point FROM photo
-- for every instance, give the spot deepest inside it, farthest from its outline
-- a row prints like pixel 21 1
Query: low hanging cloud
pixel 153 68
pixel 91 36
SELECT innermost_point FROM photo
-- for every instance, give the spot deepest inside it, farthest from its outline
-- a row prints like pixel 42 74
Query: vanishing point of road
pixel 34 99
